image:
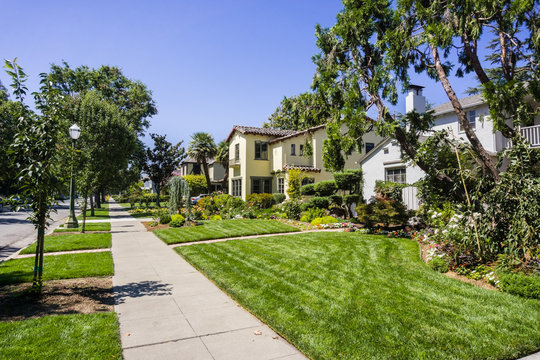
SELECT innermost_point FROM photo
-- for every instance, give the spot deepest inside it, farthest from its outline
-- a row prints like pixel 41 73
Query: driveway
pixel 16 232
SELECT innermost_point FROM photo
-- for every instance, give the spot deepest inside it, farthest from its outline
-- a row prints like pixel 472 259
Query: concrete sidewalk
pixel 168 310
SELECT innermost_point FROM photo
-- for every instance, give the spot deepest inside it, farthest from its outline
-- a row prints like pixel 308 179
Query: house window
pixel 471 116
pixel 369 147
pixel 237 152
pixel 237 187
pixel 261 150
pixel 281 185
pixel 261 185
pixel 396 175
pixel 301 150
pixel 307 180
pixel 293 149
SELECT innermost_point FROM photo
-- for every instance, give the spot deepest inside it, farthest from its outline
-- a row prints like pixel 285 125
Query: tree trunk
pixel 207 176
pixel 98 200
pixel 37 281
pixel 158 191
pixel 85 205
pixel 477 146
pixel 92 212
pixel 102 191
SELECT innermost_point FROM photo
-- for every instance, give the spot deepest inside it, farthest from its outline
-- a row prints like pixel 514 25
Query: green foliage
pixel 292 209
pixel 180 194
pixel 349 180
pixel 225 205
pixel 325 188
pixel 308 189
pixel 177 220
pixel 318 202
pixel 197 184
pixel 520 284
pixel 383 212
pixel 202 148
pixel 351 199
pixel 262 201
pixel 390 190
pixel 279 198
pixel 336 199
pixel 216 217
pixel 439 264
pixel 164 218
pixel 324 220
pixel 295 178
pixel 312 213
pixel 298 113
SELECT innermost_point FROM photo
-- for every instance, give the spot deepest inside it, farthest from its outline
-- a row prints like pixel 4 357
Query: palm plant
pixel 222 157
pixel 202 148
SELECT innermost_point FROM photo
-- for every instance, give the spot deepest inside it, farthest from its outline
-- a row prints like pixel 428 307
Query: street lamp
pixel 74 133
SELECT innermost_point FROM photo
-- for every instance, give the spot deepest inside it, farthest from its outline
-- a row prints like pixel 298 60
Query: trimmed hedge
pixel 520 284
pixel 336 199
pixel 308 189
pixel 262 201
pixel 325 188
pixel 279 198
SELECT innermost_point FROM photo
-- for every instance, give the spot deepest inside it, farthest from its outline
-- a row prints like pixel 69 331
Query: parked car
pixel 195 199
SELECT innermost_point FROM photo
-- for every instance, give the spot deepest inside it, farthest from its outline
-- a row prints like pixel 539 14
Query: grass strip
pixel 99 213
pixel 67 266
pixel 355 296
pixel 78 336
pixel 220 229
pixel 101 226
pixel 67 242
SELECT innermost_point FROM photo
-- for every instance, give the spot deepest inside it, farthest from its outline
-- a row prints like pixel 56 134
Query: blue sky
pixel 209 64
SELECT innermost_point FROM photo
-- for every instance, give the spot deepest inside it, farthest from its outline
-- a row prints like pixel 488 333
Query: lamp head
pixel 74 132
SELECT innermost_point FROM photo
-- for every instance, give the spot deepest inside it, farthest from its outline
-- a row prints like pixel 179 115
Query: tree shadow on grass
pixel 140 289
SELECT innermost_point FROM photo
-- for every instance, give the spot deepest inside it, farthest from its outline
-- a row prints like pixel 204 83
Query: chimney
pixel 415 100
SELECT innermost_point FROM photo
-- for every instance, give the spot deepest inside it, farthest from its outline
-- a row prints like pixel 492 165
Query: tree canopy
pixel 202 148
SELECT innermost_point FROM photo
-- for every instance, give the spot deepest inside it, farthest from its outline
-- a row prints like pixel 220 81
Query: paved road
pixel 16 232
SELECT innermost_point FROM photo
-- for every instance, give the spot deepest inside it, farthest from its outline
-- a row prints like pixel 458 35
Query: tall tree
pixel 222 157
pixel 9 114
pixel 161 161
pixel 202 148
pixel 38 154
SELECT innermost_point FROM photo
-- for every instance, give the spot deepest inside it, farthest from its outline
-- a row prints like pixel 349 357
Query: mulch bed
pixel 72 296
pixel 152 228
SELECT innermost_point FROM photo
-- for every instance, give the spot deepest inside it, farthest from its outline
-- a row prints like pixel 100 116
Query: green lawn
pixel 99 213
pixel 55 267
pixel 354 296
pixel 102 226
pixel 66 242
pixel 79 336
pixel 222 229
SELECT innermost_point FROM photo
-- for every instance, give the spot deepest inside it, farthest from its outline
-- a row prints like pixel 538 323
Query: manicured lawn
pixel 99 213
pixel 67 266
pixel 354 296
pixel 67 242
pixel 78 336
pixel 219 229
pixel 102 226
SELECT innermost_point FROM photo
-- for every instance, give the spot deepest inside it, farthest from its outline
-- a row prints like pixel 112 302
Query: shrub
pixel 325 188
pixel 324 220
pixel 320 202
pixel 262 201
pixel 215 217
pixel 308 189
pixel 389 190
pixel 520 284
pixel 295 178
pixel 312 213
pixel 336 199
pixel 382 211
pixel 197 184
pixel 164 218
pixel 350 199
pixel 279 198
pixel 292 209
pixel 349 180
pixel 177 220
pixel 439 264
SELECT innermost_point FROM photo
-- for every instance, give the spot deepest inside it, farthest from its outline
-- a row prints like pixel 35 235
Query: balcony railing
pixel 529 133
pixel 234 162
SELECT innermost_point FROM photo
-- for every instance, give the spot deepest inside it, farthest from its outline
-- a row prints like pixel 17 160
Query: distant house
pixel 189 166
pixel 259 158
pixel 384 162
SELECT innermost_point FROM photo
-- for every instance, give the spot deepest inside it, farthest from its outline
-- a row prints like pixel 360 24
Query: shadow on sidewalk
pixel 140 289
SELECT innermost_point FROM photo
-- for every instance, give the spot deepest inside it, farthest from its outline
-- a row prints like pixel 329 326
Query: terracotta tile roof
pixel 260 131
pixel 301 167
pixel 466 102
pixel 298 133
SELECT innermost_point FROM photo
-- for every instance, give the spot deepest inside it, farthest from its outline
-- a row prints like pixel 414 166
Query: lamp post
pixel 74 133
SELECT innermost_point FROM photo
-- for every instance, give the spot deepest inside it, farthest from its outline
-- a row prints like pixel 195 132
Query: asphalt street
pixel 16 232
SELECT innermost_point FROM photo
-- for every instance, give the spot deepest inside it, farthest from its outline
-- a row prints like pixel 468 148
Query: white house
pixel 384 161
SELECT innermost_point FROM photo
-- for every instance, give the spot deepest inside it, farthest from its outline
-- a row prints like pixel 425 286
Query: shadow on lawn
pixel 140 289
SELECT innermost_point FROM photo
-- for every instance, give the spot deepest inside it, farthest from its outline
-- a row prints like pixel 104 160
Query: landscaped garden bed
pixel 357 296
pixel 218 229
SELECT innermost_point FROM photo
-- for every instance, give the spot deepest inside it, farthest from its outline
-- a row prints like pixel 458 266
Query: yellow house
pixel 259 158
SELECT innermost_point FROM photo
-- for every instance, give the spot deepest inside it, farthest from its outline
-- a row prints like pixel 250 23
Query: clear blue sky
pixel 210 64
